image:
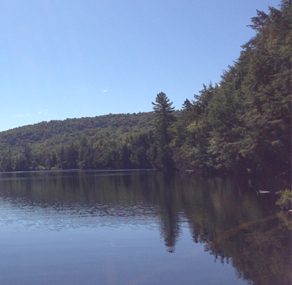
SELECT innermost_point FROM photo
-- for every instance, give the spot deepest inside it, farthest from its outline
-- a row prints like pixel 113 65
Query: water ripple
pixel 23 213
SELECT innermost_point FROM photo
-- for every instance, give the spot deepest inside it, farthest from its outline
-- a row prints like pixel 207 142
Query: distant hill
pixel 54 133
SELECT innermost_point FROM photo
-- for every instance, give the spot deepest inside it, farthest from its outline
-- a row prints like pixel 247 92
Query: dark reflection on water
pixel 54 200
pixel 233 223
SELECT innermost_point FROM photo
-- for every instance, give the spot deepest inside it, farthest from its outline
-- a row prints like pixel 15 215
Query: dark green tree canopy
pixel 243 125
pixel 164 116
pixel 162 104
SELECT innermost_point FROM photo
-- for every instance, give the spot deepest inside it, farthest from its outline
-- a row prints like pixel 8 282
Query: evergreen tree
pixel 164 118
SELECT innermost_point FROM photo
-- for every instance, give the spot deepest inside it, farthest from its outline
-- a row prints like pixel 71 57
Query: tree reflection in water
pixel 235 225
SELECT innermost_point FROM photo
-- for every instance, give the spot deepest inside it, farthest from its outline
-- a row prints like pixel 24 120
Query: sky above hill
pixel 84 58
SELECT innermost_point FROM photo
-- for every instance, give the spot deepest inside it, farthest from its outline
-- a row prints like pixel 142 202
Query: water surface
pixel 91 227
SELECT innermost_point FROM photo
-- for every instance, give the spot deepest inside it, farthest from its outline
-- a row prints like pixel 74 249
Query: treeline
pixel 240 125
pixel 111 141
pixel 54 133
pixel 243 124
pixel 134 151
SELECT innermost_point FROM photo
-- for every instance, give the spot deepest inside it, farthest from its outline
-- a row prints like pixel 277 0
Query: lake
pixel 139 227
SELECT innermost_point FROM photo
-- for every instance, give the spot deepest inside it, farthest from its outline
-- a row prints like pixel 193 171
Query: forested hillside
pixel 55 132
pixel 243 124
pixel 240 125
pixel 99 142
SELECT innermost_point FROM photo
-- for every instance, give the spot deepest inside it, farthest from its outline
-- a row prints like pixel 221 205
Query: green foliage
pixel 243 125
pixel 112 141
pixel 55 133
pixel 163 112
pixel 285 199
pixel 6 162
pixel 164 118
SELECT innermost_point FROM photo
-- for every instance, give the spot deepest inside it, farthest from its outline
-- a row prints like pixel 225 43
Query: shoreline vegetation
pixel 240 126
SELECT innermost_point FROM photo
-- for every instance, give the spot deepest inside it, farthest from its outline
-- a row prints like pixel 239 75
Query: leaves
pixel 243 124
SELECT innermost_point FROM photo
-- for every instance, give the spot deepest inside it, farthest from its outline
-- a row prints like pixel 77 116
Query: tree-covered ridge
pixel 243 124
pixel 240 125
pixel 99 142
pixel 56 132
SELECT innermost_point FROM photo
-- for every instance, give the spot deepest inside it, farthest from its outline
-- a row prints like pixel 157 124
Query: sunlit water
pixel 138 228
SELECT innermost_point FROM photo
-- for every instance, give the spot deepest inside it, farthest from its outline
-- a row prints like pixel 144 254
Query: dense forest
pixel 241 125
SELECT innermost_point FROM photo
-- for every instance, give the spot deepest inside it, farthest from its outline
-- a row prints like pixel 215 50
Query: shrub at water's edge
pixel 285 200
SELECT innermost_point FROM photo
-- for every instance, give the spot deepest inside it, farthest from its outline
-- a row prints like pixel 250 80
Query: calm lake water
pixel 89 227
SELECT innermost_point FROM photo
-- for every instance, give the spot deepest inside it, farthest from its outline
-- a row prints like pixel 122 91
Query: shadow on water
pixel 225 215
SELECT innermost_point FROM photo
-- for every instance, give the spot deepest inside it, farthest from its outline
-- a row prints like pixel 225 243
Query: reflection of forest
pixel 234 225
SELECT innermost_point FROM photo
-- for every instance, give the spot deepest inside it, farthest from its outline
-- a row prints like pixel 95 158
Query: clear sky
pixel 84 58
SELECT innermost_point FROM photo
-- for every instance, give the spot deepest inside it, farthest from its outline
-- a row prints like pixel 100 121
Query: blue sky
pixel 84 58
